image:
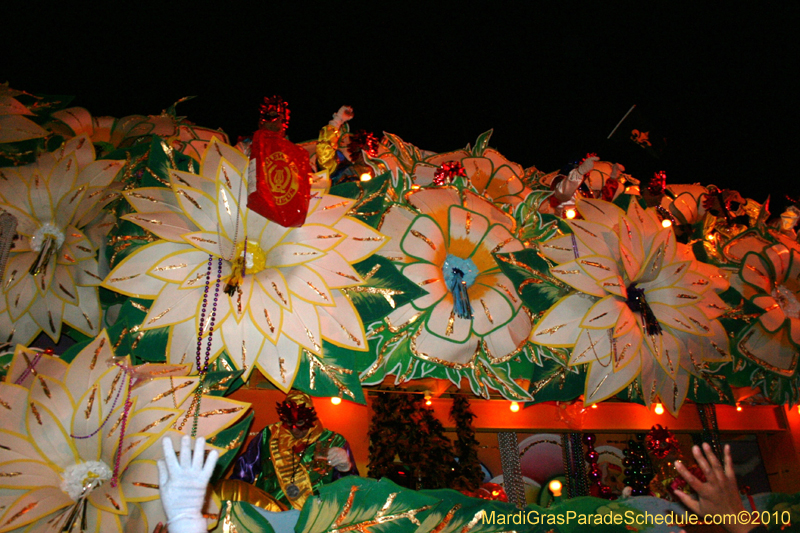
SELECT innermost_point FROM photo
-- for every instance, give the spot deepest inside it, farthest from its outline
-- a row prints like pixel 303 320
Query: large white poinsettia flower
pixel 642 306
pixel 291 296
pixel 80 441
pixel 52 272
pixel 770 279
pixel 445 244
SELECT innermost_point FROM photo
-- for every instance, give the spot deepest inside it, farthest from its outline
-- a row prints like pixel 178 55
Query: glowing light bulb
pixel 666 223
pixel 366 176
pixel 594 406
pixel 555 487
pixel 514 407
pixel 570 213
pixel 738 407
pixel 711 237
pixel 335 400
pixel 414 187
pixel 659 409
pixel 428 398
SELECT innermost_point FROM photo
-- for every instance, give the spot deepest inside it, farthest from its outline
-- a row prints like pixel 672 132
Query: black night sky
pixel 719 81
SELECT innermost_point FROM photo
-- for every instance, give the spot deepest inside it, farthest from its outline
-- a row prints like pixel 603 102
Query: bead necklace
pixel 202 367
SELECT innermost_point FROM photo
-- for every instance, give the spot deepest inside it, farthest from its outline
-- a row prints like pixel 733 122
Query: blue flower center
pixel 459 275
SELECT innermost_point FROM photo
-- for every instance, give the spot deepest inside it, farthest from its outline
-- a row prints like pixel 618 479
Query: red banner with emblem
pixel 282 186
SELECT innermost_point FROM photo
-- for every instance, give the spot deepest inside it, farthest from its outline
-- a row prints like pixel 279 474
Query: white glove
pixel 338 459
pixel 587 165
pixel 344 114
pixel 183 484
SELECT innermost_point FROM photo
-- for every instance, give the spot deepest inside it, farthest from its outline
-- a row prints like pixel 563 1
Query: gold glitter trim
pixel 172 391
pixel 348 276
pixel 700 325
pixel 346 507
pixel 36 413
pixel 117 280
pixel 189 198
pixel 468 223
pixel 10 474
pixel 331 236
pixel 500 246
pixel 201 239
pixel 156 423
pixel 90 403
pixel 508 292
pixel 334 206
pixel 160 316
pixel 367 239
pixel 278 292
pixel 550 331
pixel 216 412
pixel 269 321
pixel 598 317
pixel 486 310
pixel 386 293
pixel 583 229
pixel 330 372
pixel 319 292
pixel 21 512
pixel 757 360
pixel 450 323
pixel 595 264
pixel 145 485
pixel 170 267
pixel 554 247
pixel 565 272
pixel 424 239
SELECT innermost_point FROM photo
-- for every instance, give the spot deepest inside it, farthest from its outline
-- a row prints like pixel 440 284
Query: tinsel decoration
pixel 468 473
pixel 8 230
pixel 662 445
pixel 401 426
pixel 638 469
pixel 448 172
pixel 361 143
pixel 595 475
pixel 710 434
pixel 574 465
pixel 275 110
pixel 512 473
pixel 661 442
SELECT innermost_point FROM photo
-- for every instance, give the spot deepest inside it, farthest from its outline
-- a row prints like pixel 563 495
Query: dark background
pixel 719 81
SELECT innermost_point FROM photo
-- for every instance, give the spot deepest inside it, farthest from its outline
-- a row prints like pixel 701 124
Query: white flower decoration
pixel 52 273
pixel 449 242
pixel 80 440
pixel 290 298
pixel 642 305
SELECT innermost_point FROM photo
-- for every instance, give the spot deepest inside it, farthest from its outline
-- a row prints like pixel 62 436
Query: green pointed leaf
pixel 333 374
pixel 384 290
pixel 381 506
pixel 231 439
pixel 244 518
pixel 457 512
pixel 710 388
pixel 372 198
pixel 530 274
pixel 555 381
pixel 482 143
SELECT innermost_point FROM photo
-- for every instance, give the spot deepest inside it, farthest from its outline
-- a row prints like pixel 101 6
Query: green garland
pixel 468 473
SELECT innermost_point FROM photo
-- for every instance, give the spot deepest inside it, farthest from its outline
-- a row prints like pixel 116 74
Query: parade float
pixel 465 322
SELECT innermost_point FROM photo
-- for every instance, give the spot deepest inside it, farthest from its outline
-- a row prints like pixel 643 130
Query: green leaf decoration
pixel 362 504
pixel 143 346
pixel 241 517
pixel 407 154
pixel 231 439
pixel 457 512
pixel 530 273
pixel 710 388
pixel 532 225
pixel 482 143
pixel 553 380
pixel 372 197
pixel 329 375
pixel 384 289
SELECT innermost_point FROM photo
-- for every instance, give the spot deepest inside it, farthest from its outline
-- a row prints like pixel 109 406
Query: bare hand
pixel 719 494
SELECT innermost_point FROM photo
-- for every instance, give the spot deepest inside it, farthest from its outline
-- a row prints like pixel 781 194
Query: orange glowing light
pixel 366 176
pixel 514 407
pixel 555 487
pixel 335 400
pixel 594 406
pixel 570 214
pixel 711 237
pixel 666 223
pixel 659 409
pixel 738 407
